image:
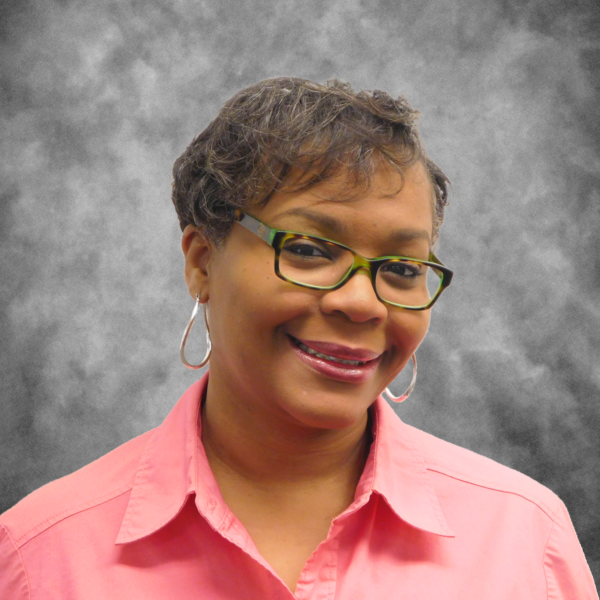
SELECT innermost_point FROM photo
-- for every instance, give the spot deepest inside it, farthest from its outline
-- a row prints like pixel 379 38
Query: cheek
pixel 231 298
pixel 409 329
pixel 249 302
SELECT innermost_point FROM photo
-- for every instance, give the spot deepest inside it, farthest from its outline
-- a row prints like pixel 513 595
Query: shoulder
pixel 467 468
pixel 485 500
pixel 98 482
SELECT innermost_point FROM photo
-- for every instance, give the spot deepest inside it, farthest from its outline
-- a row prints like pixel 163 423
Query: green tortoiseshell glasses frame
pixel 277 237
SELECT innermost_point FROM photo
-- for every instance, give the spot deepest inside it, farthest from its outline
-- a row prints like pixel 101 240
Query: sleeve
pixel 568 575
pixel 13 577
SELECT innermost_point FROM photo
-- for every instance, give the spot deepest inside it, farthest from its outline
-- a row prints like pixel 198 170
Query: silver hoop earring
pixel 187 332
pixel 411 387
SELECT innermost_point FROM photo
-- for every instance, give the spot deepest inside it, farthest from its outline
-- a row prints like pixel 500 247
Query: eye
pixel 304 250
pixel 307 249
pixel 402 270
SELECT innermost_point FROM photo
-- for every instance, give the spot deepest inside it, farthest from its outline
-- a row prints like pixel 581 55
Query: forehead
pixel 391 203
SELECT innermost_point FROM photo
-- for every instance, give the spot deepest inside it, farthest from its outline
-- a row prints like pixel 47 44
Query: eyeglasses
pixel 322 264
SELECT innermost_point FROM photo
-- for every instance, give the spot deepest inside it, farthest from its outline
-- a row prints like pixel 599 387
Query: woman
pixel 309 214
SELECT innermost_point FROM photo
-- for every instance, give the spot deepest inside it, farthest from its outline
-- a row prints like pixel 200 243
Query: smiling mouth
pixel 322 356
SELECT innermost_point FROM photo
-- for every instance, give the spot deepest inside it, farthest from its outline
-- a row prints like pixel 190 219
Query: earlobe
pixel 197 251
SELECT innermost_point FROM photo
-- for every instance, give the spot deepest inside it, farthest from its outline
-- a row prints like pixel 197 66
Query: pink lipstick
pixel 351 365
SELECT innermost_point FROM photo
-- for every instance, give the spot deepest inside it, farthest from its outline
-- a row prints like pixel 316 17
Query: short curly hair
pixel 287 134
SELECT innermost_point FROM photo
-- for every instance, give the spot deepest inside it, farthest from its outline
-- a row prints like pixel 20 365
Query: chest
pixel 286 530
pixel 371 554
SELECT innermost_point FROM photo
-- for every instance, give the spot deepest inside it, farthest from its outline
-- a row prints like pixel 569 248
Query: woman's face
pixel 265 330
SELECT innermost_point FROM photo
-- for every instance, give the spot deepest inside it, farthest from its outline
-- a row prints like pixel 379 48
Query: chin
pixel 333 411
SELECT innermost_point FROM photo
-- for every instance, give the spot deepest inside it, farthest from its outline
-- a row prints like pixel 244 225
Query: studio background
pixel 99 98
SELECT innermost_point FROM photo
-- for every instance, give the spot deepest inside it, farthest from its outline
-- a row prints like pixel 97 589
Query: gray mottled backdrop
pixel 98 99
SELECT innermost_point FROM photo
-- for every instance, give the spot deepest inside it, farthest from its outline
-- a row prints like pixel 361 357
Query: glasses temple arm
pixel 257 227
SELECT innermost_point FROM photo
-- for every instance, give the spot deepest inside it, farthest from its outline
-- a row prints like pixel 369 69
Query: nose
pixel 356 299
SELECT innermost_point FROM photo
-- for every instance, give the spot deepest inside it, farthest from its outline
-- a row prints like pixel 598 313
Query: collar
pixel 174 466
pixel 397 471
pixel 167 473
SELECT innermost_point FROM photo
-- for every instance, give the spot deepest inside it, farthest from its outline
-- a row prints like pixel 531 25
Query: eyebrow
pixel 318 219
pixel 399 236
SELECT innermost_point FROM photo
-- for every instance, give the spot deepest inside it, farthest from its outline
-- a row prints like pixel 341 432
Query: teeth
pixel 354 363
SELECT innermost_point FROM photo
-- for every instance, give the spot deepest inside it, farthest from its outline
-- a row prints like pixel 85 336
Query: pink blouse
pixel 430 521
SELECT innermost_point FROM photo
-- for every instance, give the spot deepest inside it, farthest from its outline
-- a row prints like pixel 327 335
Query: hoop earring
pixel 411 387
pixel 187 332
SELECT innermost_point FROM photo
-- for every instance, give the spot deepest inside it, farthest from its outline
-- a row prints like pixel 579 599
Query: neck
pixel 263 446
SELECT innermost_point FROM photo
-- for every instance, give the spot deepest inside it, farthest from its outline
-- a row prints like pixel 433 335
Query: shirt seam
pixel 18 550
pixel 333 567
pixel 544 558
pixel 491 486
pixel 69 512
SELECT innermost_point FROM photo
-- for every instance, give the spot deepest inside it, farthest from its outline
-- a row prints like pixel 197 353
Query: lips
pixel 336 351
pixel 352 365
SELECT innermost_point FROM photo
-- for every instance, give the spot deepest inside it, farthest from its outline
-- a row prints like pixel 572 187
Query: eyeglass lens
pixel 316 262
